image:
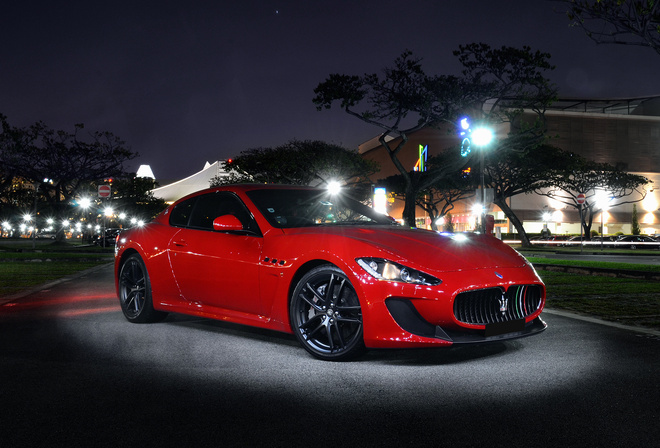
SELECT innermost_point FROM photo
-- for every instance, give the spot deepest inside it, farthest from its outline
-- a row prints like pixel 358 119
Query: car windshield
pixel 288 208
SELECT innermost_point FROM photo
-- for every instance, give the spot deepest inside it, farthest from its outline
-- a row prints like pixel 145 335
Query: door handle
pixel 180 243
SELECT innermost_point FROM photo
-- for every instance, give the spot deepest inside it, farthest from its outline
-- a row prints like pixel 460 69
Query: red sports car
pixel 327 268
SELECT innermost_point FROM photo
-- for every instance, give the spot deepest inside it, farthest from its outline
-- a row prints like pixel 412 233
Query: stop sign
pixel 104 191
pixel 580 198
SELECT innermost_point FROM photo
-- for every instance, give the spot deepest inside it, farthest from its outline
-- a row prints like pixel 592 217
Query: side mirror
pixel 226 223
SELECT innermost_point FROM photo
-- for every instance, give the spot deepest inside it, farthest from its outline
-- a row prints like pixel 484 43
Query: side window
pixel 180 215
pixel 210 206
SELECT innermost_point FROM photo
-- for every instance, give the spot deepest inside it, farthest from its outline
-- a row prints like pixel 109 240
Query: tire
pixel 326 316
pixel 135 292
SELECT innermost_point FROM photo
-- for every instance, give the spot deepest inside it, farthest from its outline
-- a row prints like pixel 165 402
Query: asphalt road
pixel 74 373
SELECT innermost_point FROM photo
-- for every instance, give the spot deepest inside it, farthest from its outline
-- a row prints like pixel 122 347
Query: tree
pixel 601 183
pixel 314 163
pixel 13 140
pixel 510 173
pixel 635 230
pixel 623 22
pixel 517 96
pixel 403 101
pixel 496 84
pixel 438 198
pixel 449 223
pixel 133 196
pixel 60 164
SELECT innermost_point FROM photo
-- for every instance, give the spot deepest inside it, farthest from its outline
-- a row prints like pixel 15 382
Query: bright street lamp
pixel 482 137
pixel 334 187
pixel 85 203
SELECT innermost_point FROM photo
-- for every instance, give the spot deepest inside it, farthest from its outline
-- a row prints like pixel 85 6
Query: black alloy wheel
pixel 135 292
pixel 326 316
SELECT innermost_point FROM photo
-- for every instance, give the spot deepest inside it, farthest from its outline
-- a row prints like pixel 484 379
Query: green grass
pixel 595 264
pixel 17 276
pixel 22 268
pixel 44 256
pixel 627 301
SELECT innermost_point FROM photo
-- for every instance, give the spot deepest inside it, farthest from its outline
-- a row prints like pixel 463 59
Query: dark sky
pixel 186 82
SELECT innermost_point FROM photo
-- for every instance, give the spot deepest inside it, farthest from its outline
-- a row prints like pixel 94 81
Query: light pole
pixel 603 202
pixel 107 213
pixel 84 204
pixel 481 137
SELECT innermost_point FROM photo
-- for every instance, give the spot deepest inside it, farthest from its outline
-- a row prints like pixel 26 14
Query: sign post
pixel 104 191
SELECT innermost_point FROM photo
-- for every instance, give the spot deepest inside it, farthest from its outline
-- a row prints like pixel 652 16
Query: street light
pixel 482 137
pixel 334 187
pixel 107 213
pixel 85 203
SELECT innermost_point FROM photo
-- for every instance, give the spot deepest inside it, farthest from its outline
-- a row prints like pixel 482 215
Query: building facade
pixel 624 133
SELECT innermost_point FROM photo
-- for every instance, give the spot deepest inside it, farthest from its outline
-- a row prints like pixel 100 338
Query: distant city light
pixel 145 171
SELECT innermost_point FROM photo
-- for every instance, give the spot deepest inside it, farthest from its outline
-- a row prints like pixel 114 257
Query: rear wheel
pixel 135 292
pixel 326 316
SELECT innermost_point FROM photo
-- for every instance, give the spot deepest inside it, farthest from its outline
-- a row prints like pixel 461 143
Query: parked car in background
pixel 553 240
pixel 605 241
pixel 573 241
pixel 110 238
pixel 636 242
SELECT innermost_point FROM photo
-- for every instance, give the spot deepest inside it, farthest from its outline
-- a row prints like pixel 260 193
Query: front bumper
pixel 408 318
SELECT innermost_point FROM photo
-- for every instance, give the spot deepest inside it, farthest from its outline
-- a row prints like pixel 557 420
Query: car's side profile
pixel 328 269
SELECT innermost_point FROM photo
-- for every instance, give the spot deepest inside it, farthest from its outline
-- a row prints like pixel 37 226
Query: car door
pixel 218 269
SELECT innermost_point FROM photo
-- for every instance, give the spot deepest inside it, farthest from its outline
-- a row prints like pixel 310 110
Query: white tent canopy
pixel 190 184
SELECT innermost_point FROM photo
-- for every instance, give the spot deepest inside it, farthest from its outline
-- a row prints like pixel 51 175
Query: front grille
pixel 487 306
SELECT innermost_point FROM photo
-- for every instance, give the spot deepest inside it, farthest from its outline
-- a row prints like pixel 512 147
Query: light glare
pixel 482 136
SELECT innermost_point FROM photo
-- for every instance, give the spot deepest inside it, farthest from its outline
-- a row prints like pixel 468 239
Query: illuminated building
pixel 624 133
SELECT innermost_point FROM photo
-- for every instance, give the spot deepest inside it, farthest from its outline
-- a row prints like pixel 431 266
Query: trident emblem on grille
pixel 504 303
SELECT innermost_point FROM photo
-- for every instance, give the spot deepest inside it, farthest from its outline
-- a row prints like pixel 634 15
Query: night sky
pixel 186 82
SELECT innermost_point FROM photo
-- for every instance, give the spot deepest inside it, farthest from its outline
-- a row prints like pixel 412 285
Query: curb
pixel 595 320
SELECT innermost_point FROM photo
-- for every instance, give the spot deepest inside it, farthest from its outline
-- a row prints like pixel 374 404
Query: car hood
pixel 442 252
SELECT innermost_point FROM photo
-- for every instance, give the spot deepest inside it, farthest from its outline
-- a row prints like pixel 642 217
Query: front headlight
pixel 382 269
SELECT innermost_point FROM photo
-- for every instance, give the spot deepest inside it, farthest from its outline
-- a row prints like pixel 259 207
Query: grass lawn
pixel 627 301
pixel 17 276
pixel 22 268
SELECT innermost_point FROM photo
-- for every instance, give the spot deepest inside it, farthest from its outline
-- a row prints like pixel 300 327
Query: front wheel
pixel 135 292
pixel 326 316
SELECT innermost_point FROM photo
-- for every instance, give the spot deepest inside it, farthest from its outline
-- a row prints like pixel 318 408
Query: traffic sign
pixel 580 198
pixel 104 191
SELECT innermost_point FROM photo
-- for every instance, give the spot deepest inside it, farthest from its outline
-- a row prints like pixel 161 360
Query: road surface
pixel 75 373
